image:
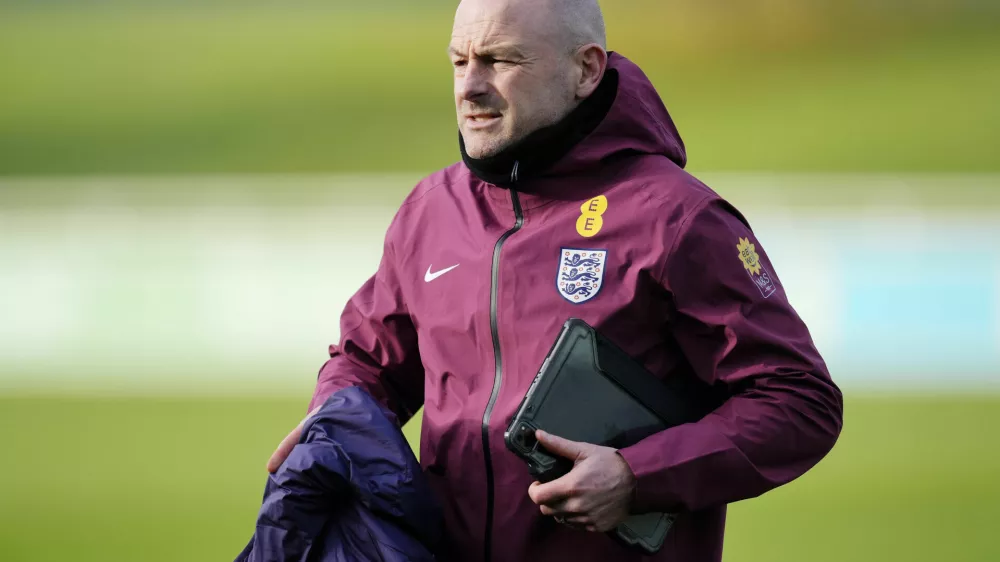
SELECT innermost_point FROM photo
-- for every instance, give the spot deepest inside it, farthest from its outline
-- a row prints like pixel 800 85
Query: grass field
pixel 161 88
pixel 91 480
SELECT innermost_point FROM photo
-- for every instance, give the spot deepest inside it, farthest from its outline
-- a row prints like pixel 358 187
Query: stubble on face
pixel 510 80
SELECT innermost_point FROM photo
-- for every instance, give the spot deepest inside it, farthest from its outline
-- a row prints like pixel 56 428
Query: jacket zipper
pixel 498 373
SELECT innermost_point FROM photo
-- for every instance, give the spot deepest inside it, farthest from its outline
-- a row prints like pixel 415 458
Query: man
pixel 571 201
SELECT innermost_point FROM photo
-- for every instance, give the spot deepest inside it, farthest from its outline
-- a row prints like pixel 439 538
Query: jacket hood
pixel 637 123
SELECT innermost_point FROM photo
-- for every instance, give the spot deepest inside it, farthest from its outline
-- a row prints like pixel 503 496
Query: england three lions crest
pixel 581 274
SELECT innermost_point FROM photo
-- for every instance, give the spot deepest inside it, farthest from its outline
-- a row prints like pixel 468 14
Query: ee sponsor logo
pixel 592 220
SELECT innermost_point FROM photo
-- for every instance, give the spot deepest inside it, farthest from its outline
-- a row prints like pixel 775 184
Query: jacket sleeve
pixel 733 323
pixel 378 347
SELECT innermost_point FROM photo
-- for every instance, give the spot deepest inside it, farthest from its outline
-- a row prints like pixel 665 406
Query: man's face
pixel 511 75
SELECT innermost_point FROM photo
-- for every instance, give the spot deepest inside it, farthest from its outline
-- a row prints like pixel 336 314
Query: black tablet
pixel 588 390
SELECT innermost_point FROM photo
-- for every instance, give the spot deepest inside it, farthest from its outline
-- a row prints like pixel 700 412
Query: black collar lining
pixel 539 151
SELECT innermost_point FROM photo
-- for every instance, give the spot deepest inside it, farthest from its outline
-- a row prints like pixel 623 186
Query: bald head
pixel 570 23
pixel 579 21
pixel 521 65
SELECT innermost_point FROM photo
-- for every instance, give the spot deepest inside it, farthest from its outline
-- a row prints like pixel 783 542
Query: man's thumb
pixel 563 447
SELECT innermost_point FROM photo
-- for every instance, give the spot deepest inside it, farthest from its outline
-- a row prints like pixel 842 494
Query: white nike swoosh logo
pixel 432 276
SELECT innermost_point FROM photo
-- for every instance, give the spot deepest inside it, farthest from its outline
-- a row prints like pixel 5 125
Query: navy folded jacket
pixel 351 490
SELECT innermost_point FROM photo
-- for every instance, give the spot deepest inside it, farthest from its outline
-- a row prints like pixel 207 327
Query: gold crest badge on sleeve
pixel 751 262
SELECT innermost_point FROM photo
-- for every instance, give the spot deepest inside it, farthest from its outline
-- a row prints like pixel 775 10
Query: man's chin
pixel 484 148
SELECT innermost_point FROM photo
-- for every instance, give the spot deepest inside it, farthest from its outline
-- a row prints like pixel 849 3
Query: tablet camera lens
pixel 526 437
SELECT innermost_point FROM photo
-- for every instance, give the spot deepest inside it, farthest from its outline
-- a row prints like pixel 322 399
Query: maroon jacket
pixel 618 234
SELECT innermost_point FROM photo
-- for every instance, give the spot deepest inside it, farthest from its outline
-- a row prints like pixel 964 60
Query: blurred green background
pixel 160 158
pixel 161 87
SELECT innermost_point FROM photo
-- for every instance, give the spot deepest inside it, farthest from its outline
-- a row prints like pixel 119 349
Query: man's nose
pixel 474 82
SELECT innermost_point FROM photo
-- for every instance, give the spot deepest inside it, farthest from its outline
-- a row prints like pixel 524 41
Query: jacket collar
pixel 539 151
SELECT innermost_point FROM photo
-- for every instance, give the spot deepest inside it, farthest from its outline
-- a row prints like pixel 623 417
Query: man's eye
pixel 458 63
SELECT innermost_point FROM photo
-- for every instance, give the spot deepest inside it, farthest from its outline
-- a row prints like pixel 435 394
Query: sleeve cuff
pixel 652 483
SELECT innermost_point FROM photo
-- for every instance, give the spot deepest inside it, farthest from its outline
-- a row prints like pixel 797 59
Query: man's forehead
pixel 492 44
pixel 486 48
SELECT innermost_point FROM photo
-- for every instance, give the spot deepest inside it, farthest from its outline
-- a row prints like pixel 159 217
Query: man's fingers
pixel 576 522
pixel 560 488
pixel 287 444
pixel 547 494
pixel 562 509
pixel 557 509
pixel 569 508
pixel 582 522
pixel 551 493
pixel 563 447
pixel 570 505
pixel 284 449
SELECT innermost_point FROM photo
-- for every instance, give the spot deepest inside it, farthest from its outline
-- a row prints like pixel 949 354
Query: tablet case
pixel 589 390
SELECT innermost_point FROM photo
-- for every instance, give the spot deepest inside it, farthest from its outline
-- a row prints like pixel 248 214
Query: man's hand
pixel 287 444
pixel 596 495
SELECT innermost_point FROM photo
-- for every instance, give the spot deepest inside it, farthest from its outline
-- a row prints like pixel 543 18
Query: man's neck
pixel 538 151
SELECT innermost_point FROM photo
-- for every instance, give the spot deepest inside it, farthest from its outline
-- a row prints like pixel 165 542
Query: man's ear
pixel 593 62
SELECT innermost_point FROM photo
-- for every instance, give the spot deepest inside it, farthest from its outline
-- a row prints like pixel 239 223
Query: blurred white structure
pixel 236 285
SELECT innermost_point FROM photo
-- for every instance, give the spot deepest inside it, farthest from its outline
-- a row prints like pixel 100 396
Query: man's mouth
pixel 481 120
